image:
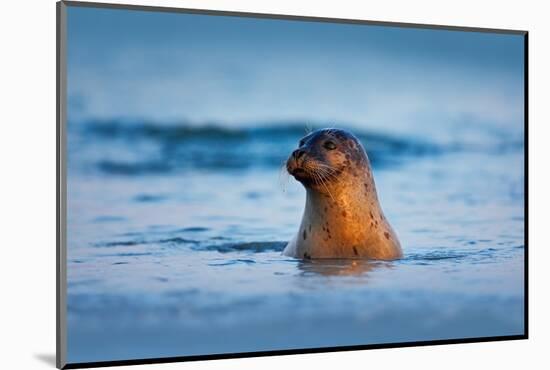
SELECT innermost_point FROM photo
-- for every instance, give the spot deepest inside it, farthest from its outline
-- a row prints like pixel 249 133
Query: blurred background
pixel 167 67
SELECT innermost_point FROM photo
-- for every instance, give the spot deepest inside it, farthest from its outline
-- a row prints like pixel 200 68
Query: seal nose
pixel 298 153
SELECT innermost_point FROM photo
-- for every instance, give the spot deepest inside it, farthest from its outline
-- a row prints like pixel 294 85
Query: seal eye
pixel 301 143
pixel 329 145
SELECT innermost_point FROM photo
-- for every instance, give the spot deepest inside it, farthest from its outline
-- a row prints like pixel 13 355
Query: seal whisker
pixel 323 175
pixel 327 173
pixel 322 172
pixel 328 191
pixel 320 180
pixel 325 166
pixel 283 176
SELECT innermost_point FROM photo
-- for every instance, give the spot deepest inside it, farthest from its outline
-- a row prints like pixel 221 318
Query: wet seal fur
pixel 342 216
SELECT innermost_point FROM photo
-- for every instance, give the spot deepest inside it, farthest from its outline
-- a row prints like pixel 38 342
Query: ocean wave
pixel 255 247
pixel 128 148
pixel 180 133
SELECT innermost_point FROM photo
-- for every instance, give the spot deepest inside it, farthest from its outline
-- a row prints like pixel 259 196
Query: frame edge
pixel 61 186
pixel 288 17
pixel 526 182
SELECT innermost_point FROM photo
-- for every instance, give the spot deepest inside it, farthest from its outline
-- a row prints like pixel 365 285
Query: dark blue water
pixel 175 235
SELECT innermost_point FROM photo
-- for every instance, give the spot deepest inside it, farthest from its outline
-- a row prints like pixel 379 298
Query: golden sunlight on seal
pixel 342 216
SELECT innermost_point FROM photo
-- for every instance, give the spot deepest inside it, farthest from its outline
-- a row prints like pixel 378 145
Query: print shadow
pixel 46 358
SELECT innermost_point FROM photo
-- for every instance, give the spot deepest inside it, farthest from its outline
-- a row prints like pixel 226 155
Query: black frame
pixel 61 266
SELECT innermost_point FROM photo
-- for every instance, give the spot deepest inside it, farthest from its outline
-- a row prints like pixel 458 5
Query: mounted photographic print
pixel 235 184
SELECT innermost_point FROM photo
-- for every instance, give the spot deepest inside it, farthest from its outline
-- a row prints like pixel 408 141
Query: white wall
pixel 27 318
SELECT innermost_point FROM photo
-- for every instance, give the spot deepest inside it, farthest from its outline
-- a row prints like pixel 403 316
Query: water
pixel 175 235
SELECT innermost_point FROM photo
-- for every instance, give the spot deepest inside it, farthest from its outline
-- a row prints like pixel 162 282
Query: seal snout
pixel 295 162
pixel 298 153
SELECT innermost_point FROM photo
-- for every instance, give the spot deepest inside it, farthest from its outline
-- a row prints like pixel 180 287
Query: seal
pixel 342 216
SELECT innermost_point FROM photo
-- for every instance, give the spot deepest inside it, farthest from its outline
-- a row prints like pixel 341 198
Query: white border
pixel 28 167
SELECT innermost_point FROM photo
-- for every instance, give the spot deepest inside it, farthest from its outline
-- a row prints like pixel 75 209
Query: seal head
pixel 342 217
pixel 323 156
